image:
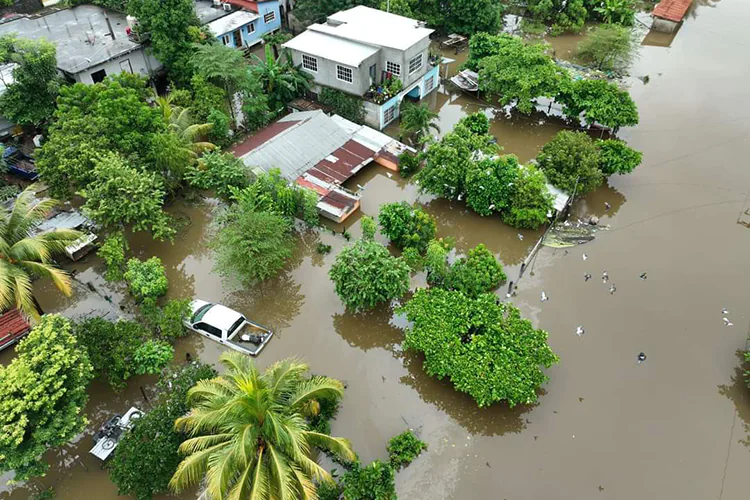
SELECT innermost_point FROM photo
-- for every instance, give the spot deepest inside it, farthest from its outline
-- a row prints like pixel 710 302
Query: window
pixel 269 16
pixel 202 310
pixel 310 63
pixel 251 28
pixel 429 84
pixel 344 74
pixel 415 64
pixel 125 66
pixel 205 327
pixel 393 68
pixel 98 76
pixel 389 115
pixel 226 39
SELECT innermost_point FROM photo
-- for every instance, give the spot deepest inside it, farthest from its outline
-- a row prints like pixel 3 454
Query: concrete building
pixel 361 51
pixel 239 23
pixel 91 42
pixel 320 153
pixel 668 15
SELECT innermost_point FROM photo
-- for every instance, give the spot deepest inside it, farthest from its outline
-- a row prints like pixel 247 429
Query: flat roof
pixel 374 27
pixel 207 13
pixel 231 22
pixel 80 34
pixel 331 48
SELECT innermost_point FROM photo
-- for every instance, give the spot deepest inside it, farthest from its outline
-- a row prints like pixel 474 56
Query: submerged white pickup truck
pixel 228 327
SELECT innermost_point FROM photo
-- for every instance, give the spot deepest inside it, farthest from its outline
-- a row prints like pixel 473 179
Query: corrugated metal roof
pixel 231 22
pixel 12 325
pixel 64 220
pixel 672 10
pixel 330 47
pixel 561 197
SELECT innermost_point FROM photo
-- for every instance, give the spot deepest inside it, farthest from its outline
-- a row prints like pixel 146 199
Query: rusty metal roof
pixel 672 10
pixel 12 325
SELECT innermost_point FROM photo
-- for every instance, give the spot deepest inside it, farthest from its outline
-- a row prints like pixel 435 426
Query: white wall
pixel 140 63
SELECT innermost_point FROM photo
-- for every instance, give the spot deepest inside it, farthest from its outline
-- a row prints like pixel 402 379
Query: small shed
pixel 668 14
pixel 13 326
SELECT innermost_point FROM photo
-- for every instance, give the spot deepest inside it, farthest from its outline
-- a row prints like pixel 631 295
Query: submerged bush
pixel 404 448
pixel 146 279
pixel 406 226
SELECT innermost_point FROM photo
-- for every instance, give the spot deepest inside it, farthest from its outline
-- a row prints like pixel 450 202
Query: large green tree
pixel 25 254
pixel 518 72
pixel 121 195
pixel 571 162
pixel 146 458
pixel 172 27
pixel 29 98
pixel 609 47
pixel 530 200
pixel 44 393
pixel 365 274
pixel 485 348
pixel 489 183
pixel 599 101
pixel 562 15
pixel 248 434
pixel 407 226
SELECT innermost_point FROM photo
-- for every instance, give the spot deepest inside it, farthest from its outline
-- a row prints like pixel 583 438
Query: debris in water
pixel 581 400
pixel 605 277
pixel 390 175
pixel 565 234
pixel 641 357
pixel 580 331
pixel 607 206
pixel 586 277
pixel 545 298
pixel 601 488
pixel 643 276
pixel 612 289
pixel 727 322
pixel 488 464
pixel 594 220
pixel 725 311
pixel 585 257
pixel 520 236
pixel 645 79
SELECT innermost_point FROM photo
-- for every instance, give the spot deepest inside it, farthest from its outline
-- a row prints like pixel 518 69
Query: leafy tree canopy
pixel 120 195
pixel 531 200
pixel 375 481
pixel 519 73
pixel 365 274
pixel 398 7
pixel 404 448
pixel 490 183
pixel 271 193
pixel 616 157
pixel 147 457
pixel 486 349
pixel 477 273
pixel 609 47
pixel 600 101
pixel 316 11
pixel 151 357
pixel 44 393
pixel 612 11
pixel 219 171
pixel 112 251
pixel 407 226
pixel 562 15
pixel 30 99
pixel 571 162
pixel 146 279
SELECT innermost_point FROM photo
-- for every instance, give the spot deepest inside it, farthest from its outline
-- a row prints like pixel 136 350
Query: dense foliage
pixel 29 100
pixel 219 171
pixel 466 164
pixel 518 72
pixel 609 47
pixel 147 457
pixel 151 357
pixel 466 17
pixel 571 162
pixel 600 102
pixel 167 322
pixel 279 79
pixel 416 121
pixel 146 279
pixel 346 105
pixel 407 226
pixel 404 448
pixel 111 346
pixel 252 245
pixel 484 347
pixel 613 11
pixel 271 193
pixel 616 157
pixel 365 274
pixel 112 252
pixel 44 393
pixel 477 273
pixel 316 11
pixel 562 15
pixel 27 254
pixel 408 164
pixel 376 481
pixel 172 26
pixel 120 195
pixel 248 435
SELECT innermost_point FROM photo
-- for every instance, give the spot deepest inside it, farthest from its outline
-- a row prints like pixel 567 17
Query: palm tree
pixel 281 82
pixel 249 437
pixel 180 122
pixel 417 120
pixel 24 255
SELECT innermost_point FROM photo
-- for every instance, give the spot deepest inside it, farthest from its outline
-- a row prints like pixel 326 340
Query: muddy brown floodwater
pixel 605 427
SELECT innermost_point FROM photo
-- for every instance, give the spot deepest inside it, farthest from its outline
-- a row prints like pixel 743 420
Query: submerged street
pixel 676 425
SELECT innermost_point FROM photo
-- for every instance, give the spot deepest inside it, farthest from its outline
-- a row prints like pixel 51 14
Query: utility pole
pixel 388 6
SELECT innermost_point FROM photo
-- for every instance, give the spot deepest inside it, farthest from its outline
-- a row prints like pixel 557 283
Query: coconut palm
pixel 180 122
pixel 249 437
pixel 24 255
pixel 280 81
pixel 417 120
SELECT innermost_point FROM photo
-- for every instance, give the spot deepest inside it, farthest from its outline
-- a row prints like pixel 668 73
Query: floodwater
pixel 605 427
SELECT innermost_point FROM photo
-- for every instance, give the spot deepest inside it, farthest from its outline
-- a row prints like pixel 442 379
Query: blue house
pixel 239 23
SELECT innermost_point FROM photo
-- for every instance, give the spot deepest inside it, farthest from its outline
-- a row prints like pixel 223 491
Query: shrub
pixel 146 279
pixel 436 262
pixel 151 357
pixel 413 259
pixel 571 162
pixel 271 193
pixel 111 346
pixel 252 245
pixel 404 448
pixel 365 275
pixel 147 457
pixel 374 482
pixel 477 273
pixel 326 411
pixel 408 164
pixel 484 347
pixel 219 171
pixel 112 252
pixel 616 157
pixel 220 127
pixel 407 226
pixel 328 491
pixel 166 322
pixel 489 184
pixel 348 106
pixel 609 47
pixel 531 200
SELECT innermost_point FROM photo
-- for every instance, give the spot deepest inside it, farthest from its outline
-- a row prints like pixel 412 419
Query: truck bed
pixel 250 346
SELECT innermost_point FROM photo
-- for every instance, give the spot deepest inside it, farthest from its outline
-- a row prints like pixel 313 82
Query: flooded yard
pixel 605 427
